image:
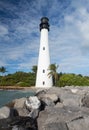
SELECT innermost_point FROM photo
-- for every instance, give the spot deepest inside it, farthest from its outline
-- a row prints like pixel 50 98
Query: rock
pixel 48 100
pixel 80 90
pixel 67 96
pixel 79 124
pixel 19 103
pixel 28 109
pixel 59 105
pixel 18 123
pixel 52 97
pixel 10 104
pixel 43 115
pixel 45 101
pixel 84 111
pixel 69 99
pixel 57 115
pixel 22 112
pixel 54 90
pixel 43 94
pixel 4 112
pixel 34 113
pixel 71 109
pixel 15 128
pixel 24 123
pixel 56 126
pixel 85 100
pixel 40 92
pixel 54 109
pixel 32 103
pixel 74 90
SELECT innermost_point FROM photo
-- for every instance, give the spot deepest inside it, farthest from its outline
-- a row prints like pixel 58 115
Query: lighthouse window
pixel 43 48
pixel 43 83
pixel 43 71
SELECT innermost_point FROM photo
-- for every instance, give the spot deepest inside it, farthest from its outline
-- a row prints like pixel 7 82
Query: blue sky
pixel 68 36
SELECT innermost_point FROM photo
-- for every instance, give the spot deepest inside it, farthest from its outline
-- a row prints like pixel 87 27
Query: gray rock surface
pixel 22 112
pixel 34 113
pixel 52 97
pixel 85 100
pixel 53 109
pixel 32 103
pixel 71 110
pixel 52 115
pixel 56 126
pixel 79 124
pixel 33 106
pixel 4 112
pixel 19 103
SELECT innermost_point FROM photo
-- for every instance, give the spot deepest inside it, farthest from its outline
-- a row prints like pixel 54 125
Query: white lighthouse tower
pixel 43 78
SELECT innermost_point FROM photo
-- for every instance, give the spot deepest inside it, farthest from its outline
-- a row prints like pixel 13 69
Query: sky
pixel 68 35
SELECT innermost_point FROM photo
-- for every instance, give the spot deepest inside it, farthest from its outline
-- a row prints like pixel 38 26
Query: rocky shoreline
pixel 55 108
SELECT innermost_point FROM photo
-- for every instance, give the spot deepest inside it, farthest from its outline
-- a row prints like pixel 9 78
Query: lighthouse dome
pixel 44 20
pixel 44 23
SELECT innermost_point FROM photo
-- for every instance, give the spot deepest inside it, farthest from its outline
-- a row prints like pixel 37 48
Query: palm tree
pixel 3 70
pixel 34 69
pixel 53 72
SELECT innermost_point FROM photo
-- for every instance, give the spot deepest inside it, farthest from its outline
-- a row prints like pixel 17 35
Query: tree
pixel 53 72
pixel 34 69
pixel 3 70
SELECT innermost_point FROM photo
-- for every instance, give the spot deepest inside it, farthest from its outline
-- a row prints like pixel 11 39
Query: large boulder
pixel 4 112
pixel 67 96
pixel 33 106
pixel 57 115
pixel 18 123
pixel 46 98
pixel 45 101
pixel 54 109
pixel 70 99
pixel 52 97
pixel 63 119
pixel 32 103
pixel 22 112
pixel 19 103
pixel 70 112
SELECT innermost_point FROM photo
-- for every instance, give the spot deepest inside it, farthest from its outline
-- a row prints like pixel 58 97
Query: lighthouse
pixel 43 79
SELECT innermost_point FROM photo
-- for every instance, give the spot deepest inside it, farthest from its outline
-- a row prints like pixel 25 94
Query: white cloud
pixel 2 63
pixel 68 36
pixel 3 30
pixel 77 64
pixel 27 65
pixel 70 42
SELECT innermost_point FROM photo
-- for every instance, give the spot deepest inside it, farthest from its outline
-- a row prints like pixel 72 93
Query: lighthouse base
pixel 43 86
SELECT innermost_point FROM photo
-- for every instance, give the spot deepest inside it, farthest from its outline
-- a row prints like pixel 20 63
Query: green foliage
pixel 34 69
pixel 53 72
pixel 72 79
pixel 2 70
pixel 24 79
pixel 18 79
